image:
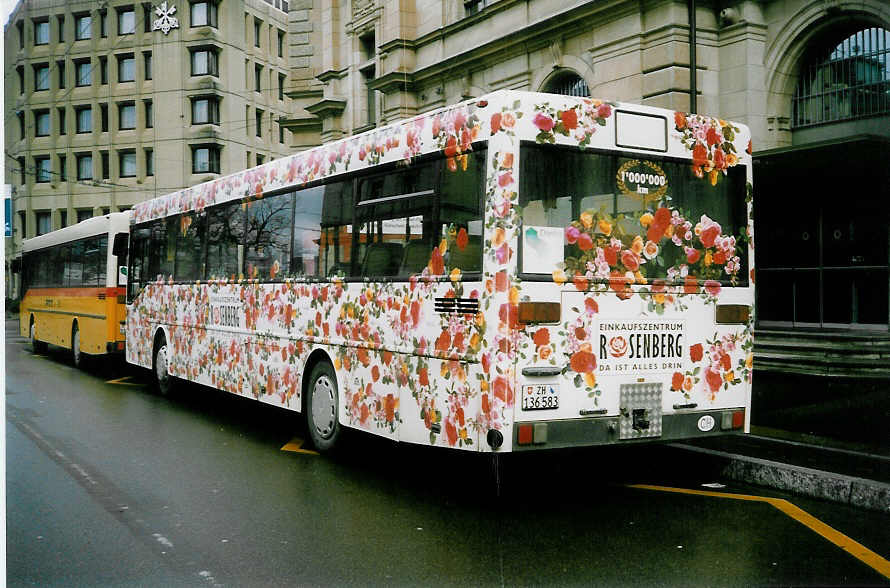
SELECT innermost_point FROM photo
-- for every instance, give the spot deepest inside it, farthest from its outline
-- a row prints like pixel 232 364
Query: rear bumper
pixel 605 430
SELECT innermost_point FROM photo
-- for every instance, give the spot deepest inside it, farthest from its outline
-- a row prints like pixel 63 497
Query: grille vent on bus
pixel 457 305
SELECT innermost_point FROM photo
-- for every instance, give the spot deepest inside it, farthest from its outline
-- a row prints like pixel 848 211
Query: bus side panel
pixel 404 370
pixel 55 311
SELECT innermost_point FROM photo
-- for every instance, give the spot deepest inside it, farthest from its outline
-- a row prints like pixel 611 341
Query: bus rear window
pixel 602 215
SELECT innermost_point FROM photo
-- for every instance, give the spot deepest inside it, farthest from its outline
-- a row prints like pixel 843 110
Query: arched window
pixel 568 83
pixel 846 80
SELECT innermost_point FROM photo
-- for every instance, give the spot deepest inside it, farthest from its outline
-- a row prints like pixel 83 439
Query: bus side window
pixel 74 266
pixel 307 231
pixel 225 238
pixel 188 247
pixel 101 277
pixel 336 246
pixel 91 262
pixel 268 236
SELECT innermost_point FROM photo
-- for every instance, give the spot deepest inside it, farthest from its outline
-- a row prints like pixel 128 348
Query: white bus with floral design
pixel 519 271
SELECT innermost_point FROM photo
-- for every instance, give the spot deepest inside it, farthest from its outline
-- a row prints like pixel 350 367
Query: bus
pixel 74 284
pixel 520 271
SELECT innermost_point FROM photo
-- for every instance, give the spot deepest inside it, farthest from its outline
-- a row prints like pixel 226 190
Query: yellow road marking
pixel 123 381
pixel 854 548
pixel 296 446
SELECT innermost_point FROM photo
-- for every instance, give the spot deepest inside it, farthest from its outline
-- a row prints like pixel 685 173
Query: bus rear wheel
pixel 163 379
pixel 322 407
pixel 36 346
pixel 76 354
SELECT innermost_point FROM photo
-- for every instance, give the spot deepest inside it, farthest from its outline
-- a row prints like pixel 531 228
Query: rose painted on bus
pixel 711 142
pixel 578 122
pixel 606 251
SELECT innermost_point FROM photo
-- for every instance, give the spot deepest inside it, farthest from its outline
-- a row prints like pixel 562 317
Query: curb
pixel 850 490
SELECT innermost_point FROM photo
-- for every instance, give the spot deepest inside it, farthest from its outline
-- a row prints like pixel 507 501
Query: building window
pixel 20 70
pixel 84 214
pixel 61 21
pixel 41 123
pixel 280 43
pixel 103 24
pixel 126 68
pixel 84 72
pixel 146 58
pixel 63 172
pixel 257 28
pixel 567 83
pixel 126 21
pixel 83 27
pixel 103 116
pixel 203 14
pixel 257 77
pixel 205 110
pixel 844 81
pixel 149 114
pixel 106 168
pixel 204 62
pixel 259 122
pixel 22 170
pixel 103 70
pixel 205 159
pixel 63 127
pixel 20 25
pixel 41 32
pixel 260 159
pixel 84 119
pixel 281 87
pixel 44 222
pixel 126 112
pixel 60 67
pixel 127 163
pixel 21 116
pixel 63 217
pixel 280 134
pixel 149 162
pixel 44 169
pixel 41 76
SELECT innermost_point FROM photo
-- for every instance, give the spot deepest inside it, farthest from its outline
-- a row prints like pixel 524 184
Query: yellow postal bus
pixel 74 284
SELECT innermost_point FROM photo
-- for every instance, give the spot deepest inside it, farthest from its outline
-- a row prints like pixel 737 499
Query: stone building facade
pixel 110 103
pixel 810 77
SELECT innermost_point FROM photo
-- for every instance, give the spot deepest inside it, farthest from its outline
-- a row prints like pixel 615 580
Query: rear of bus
pixel 74 283
pixel 637 298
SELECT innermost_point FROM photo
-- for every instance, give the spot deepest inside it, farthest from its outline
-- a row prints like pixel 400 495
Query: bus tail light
pixel 539 312
pixel 734 419
pixel 532 433
pixel 732 314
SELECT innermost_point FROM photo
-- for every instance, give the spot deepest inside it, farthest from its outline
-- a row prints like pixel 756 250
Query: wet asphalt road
pixel 109 484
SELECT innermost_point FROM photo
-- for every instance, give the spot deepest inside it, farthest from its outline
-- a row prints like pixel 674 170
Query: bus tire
pixel 163 381
pixel 322 407
pixel 36 346
pixel 76 355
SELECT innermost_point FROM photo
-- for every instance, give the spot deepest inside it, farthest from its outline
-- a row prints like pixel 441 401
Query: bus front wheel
pixel 162 377
pixel 322 407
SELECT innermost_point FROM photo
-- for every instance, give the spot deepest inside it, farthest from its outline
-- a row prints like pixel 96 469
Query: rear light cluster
pixel 539 312
pixel 532 433
pixel 734 419
pixel 732 314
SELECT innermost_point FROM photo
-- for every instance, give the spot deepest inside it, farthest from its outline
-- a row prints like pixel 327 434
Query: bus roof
pixel 97 225
pixel 519 115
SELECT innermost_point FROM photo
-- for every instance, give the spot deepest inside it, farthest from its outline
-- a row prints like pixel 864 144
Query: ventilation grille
pixel 457 305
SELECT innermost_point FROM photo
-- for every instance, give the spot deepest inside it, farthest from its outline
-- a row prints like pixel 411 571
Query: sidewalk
pixel 854 474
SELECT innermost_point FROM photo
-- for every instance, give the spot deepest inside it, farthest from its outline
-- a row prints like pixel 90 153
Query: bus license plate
pixel 540 397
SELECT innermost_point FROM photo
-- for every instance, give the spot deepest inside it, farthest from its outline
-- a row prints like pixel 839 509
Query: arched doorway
pixel 822 204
